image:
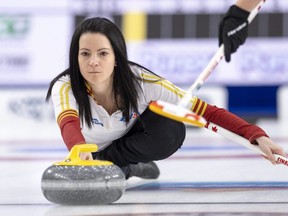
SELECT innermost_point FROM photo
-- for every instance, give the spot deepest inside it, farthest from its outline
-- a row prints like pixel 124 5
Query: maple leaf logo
pixel 214 129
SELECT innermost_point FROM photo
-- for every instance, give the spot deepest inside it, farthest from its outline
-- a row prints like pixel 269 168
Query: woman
pixel 102 98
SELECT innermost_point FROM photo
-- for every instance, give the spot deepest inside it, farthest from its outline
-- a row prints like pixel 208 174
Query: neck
pixel 102 89
pixel 104 96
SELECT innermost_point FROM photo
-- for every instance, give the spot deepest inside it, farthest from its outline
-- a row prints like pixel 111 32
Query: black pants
pixel 153 137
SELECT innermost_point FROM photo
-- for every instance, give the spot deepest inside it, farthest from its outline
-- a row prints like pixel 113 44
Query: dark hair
pixel 124 80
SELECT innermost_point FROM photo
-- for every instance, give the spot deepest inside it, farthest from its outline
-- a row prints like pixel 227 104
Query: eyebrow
pixel 97 50
pixel 103 49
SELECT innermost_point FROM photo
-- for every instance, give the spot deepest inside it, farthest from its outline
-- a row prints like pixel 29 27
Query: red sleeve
pixel 69 124
pixel 228 121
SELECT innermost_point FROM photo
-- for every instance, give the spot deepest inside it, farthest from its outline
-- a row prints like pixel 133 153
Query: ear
pixel 115 65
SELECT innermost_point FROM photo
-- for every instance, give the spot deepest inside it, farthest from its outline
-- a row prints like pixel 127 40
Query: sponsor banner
pixel 123 6
pixel 25 115
pixel 32 6
pixel 33 47
pixel 166 6
pixel 258 62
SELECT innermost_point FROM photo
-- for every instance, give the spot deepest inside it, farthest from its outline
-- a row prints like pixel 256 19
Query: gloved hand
pixel 233 30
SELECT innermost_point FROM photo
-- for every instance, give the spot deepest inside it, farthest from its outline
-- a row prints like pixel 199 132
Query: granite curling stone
pixel 83 182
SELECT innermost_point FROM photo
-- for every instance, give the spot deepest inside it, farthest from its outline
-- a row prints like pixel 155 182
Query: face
pixel 96 59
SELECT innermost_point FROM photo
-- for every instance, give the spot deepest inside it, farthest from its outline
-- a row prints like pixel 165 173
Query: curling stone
pixel 83 182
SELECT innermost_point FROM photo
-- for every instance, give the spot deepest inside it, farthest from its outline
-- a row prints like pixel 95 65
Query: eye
pixel 84 53
pixel 103 53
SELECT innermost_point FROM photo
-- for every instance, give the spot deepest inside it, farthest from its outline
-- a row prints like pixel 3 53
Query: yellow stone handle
pixel 77 149
pixel 73 158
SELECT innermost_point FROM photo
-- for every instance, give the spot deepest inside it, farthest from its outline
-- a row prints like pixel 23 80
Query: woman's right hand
pixel 85 156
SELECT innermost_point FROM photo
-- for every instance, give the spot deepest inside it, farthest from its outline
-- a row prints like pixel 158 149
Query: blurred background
pixel 174 38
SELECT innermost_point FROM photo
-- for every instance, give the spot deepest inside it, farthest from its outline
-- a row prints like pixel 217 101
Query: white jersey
pixel 107 128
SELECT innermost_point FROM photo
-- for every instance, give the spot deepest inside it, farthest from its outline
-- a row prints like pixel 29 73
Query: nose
pixel 94 61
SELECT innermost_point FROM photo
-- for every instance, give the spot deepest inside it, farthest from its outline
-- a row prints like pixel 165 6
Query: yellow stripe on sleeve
pixel 67 113
pixel 150 76
pixel 199 106
pixel 194 103
pixel 174 89
pixel 166 84
pixel 64 96
pixel 67 96
pixel 203 110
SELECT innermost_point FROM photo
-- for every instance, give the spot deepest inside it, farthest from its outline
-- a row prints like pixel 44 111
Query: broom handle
pixel 241 140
